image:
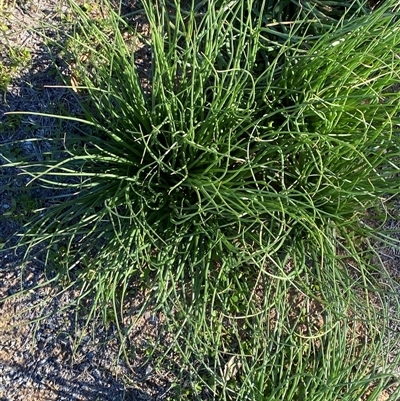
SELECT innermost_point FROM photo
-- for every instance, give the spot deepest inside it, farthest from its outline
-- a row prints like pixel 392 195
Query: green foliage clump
pixel 16 59
pixel 230 177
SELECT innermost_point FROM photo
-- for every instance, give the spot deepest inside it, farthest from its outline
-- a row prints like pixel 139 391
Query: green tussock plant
pixel 234 192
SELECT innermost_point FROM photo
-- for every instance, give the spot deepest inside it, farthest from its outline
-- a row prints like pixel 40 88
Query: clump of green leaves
pixel 5 78
pixel 231 183
pixel 14 60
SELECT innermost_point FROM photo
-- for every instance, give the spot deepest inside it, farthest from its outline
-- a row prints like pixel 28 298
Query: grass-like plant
pixel 231 183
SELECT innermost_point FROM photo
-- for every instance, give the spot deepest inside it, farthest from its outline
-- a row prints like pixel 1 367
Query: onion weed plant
pixel 233 183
